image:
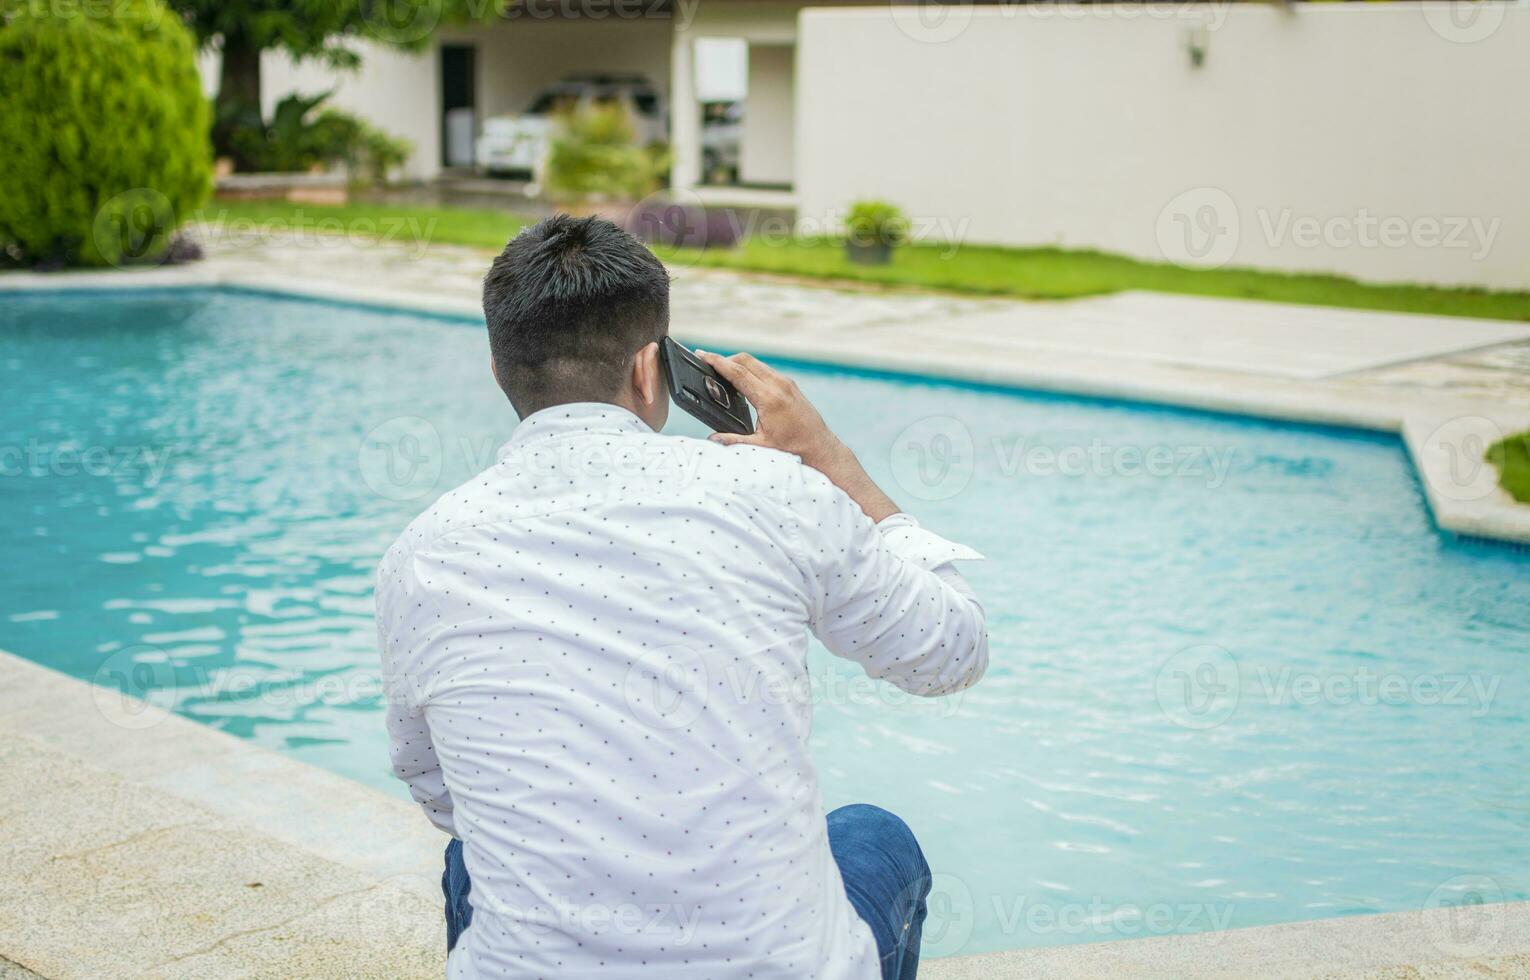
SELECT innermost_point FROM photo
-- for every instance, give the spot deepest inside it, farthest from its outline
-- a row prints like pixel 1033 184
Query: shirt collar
pixel 575 417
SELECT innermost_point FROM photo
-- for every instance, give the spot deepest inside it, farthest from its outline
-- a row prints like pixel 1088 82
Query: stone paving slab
pixel 1280 339
pixel 109 877
pixel 119 856
pixel 110 865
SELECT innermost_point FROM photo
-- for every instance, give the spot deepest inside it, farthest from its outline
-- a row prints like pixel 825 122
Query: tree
pixel 322 30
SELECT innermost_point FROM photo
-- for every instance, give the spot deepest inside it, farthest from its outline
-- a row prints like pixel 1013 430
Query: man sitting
pixel 586 648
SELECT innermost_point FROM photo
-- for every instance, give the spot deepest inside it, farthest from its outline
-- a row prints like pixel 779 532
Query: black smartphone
pixel 702 392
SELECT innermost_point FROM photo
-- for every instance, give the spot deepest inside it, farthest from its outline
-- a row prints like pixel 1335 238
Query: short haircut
pixel 568 302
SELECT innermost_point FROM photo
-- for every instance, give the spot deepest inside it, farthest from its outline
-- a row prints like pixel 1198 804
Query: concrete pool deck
pixel 1449 386
pixel 138 843
pixel 142 844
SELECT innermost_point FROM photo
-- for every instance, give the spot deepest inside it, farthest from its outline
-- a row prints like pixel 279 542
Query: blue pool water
pixel 1218 696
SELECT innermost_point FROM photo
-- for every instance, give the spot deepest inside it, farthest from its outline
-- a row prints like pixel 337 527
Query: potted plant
pixel 872 230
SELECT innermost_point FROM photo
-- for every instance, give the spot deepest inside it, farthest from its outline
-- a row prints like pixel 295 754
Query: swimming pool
pixel 1237 677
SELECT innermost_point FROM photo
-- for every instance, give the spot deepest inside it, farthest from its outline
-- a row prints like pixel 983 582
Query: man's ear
pixel 494 370
pixel 648 375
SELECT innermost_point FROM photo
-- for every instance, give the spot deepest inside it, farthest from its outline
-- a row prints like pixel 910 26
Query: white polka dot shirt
pixel 595 655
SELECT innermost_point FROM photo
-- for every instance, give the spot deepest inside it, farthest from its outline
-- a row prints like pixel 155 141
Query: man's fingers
pixel 736 372
pixel 760 369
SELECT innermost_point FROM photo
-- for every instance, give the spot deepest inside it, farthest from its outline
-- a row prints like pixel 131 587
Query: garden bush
pixel 302 137
pixel 595 156
pixel 104 135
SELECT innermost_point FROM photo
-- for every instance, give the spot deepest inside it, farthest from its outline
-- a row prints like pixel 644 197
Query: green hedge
pixel 104 132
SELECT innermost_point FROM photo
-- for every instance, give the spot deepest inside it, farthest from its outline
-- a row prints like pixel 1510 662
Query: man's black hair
pixel 568 302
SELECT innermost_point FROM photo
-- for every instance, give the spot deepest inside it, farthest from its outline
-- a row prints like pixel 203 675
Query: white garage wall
pixel 1387 142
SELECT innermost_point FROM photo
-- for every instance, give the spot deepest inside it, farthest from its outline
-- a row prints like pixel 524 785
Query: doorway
pixel 459 117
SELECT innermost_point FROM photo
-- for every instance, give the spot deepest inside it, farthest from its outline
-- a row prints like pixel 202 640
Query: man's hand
pixel 786 420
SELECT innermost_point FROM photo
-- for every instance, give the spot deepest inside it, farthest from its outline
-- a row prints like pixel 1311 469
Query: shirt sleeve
pixel 409 744
pixel 887 595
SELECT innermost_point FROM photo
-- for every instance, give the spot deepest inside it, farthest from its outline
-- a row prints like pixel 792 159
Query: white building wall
pixel 1383 141
pixel 396 91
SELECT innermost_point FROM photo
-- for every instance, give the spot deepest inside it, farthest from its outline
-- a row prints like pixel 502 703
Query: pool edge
pixel 191 780
pixel 1433 436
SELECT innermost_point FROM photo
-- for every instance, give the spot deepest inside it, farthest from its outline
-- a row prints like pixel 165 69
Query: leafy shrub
pixel 1511 456
pixel 104 133
pixel 367 152
pixel 876 223
pixel 296 139
pixel 594 155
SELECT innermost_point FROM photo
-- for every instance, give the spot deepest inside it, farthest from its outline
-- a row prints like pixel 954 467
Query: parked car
pixel 516 146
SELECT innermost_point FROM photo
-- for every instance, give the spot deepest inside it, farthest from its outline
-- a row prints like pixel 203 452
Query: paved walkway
pixel 1389 355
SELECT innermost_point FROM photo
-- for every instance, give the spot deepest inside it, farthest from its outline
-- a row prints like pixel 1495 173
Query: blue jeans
pixel 886 880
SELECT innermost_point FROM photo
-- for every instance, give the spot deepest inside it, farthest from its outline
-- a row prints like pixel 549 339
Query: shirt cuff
pixel 928 550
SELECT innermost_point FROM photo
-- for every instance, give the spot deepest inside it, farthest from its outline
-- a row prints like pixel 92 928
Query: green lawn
pixel 1032 273
pixel 455 226
pixel 1512 458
